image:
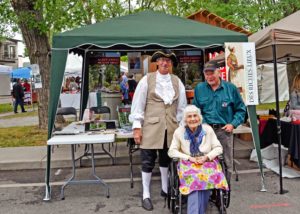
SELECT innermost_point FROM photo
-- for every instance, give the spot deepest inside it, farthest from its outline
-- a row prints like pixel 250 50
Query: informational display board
pixel 240 63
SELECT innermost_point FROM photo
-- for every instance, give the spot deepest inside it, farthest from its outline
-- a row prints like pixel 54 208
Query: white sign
pixel 35 74
pixel 241 69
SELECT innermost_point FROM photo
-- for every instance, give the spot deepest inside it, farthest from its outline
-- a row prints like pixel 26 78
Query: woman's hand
pixel 199 160
pixel 193 159
pixel 202 159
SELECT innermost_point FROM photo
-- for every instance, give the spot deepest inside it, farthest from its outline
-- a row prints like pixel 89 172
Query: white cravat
pixel 164 88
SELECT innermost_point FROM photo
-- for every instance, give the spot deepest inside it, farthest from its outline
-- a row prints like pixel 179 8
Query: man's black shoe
pixel 147 204
pixel 16 112
pixel 24 111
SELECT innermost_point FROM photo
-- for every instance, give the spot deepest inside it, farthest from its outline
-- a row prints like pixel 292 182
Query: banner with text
pixel 240 63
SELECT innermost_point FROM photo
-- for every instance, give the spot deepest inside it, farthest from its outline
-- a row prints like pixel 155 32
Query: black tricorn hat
pixel 165 53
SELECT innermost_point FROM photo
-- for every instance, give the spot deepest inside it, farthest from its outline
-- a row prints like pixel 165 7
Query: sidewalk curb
pixel 20 158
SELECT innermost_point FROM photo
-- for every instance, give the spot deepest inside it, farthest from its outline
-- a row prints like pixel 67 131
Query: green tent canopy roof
pixel 144 29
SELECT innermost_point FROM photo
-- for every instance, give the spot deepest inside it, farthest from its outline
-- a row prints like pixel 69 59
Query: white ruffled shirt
pixel 164 89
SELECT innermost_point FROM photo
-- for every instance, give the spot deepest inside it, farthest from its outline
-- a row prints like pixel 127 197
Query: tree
pixel 37 20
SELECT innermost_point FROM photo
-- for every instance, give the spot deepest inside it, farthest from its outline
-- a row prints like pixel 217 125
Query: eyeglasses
pixel 163 59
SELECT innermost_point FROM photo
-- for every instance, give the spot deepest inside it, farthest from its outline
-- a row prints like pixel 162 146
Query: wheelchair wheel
pixel 169 189
pixel 221 202
pixel 174 196
pixel 226 196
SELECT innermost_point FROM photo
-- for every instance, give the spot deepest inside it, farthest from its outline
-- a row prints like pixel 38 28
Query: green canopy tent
pixel 144 31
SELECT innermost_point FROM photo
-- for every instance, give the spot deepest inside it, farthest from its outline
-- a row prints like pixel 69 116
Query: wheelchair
pixel 220 197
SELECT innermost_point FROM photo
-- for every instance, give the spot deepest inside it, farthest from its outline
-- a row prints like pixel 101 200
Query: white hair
pixel 190 109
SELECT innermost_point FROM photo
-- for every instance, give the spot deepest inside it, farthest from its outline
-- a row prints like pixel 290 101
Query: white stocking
pixel 146 179
pixel 164 178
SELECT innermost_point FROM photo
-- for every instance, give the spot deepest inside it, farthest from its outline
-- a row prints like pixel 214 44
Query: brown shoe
pixel 147 204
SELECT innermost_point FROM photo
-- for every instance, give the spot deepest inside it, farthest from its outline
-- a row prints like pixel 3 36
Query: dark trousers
pixel 19 101
pixel 225 139
pixel 148 157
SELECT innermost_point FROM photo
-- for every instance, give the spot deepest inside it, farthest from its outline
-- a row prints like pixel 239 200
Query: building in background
pixel 9 52
pixel 207 17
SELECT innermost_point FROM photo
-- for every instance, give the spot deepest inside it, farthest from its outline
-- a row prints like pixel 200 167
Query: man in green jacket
pixel 221 107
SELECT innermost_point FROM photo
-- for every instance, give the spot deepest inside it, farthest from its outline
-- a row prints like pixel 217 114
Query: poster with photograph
pixel 134 62
pixel 240 63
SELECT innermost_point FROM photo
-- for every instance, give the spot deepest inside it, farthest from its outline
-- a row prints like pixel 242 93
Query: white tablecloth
pixel 73 100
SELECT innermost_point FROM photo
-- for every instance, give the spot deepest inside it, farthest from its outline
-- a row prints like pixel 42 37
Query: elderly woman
pixel 197 147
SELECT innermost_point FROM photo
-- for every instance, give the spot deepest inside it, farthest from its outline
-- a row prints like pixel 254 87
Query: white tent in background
pixel 266 86
pixel 285 34
pixel 74 66
pixel 5 72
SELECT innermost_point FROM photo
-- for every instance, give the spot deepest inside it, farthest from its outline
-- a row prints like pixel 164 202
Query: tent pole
pixel 278 119
pixel 48 187
pixel 31 95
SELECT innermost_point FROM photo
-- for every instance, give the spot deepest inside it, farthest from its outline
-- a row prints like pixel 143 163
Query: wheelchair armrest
pixel 175 160
pixel 221 157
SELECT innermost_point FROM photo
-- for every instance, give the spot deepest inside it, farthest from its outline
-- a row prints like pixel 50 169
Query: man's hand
pixel 228 128
pixel 137 135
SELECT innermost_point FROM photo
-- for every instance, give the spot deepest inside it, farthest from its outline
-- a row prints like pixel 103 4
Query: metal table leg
pixel 62 196
pixel 106 152
pixel 94 172
pixel 71 180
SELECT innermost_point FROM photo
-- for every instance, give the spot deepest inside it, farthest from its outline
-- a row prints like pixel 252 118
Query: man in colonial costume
pixel 157 107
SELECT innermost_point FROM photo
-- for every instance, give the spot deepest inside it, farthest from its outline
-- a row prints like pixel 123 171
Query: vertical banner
pixel 240 63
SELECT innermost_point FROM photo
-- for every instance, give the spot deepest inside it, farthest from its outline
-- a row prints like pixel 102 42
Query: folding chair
pixel 66 111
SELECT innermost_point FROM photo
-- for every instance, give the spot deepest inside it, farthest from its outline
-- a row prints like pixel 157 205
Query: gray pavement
pixel 22 173
pixel 18 195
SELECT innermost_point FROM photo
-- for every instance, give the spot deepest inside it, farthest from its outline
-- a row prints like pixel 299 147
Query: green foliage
pixel 111 72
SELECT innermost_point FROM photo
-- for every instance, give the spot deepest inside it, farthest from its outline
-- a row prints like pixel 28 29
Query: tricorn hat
pixel 165 53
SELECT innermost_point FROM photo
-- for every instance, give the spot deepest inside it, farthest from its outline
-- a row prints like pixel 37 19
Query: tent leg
pixel 278 119
pixel 263 189
pixel 48 187
pixel 253 123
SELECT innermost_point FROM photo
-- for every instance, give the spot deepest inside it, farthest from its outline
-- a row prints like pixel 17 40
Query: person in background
pixel 73 86
pixel 26 85
pixel 295 95
pixel 18 95
pixel 221 106
pixel 132 86
pixel 124 89
pixel 157 106
pixel 197 146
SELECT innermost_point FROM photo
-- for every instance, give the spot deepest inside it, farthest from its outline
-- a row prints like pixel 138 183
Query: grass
pixel 268 106
pixel 22 136
pixel 20 115
pixel 6 107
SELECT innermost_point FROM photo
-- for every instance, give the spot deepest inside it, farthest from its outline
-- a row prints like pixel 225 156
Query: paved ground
pixel 22 192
